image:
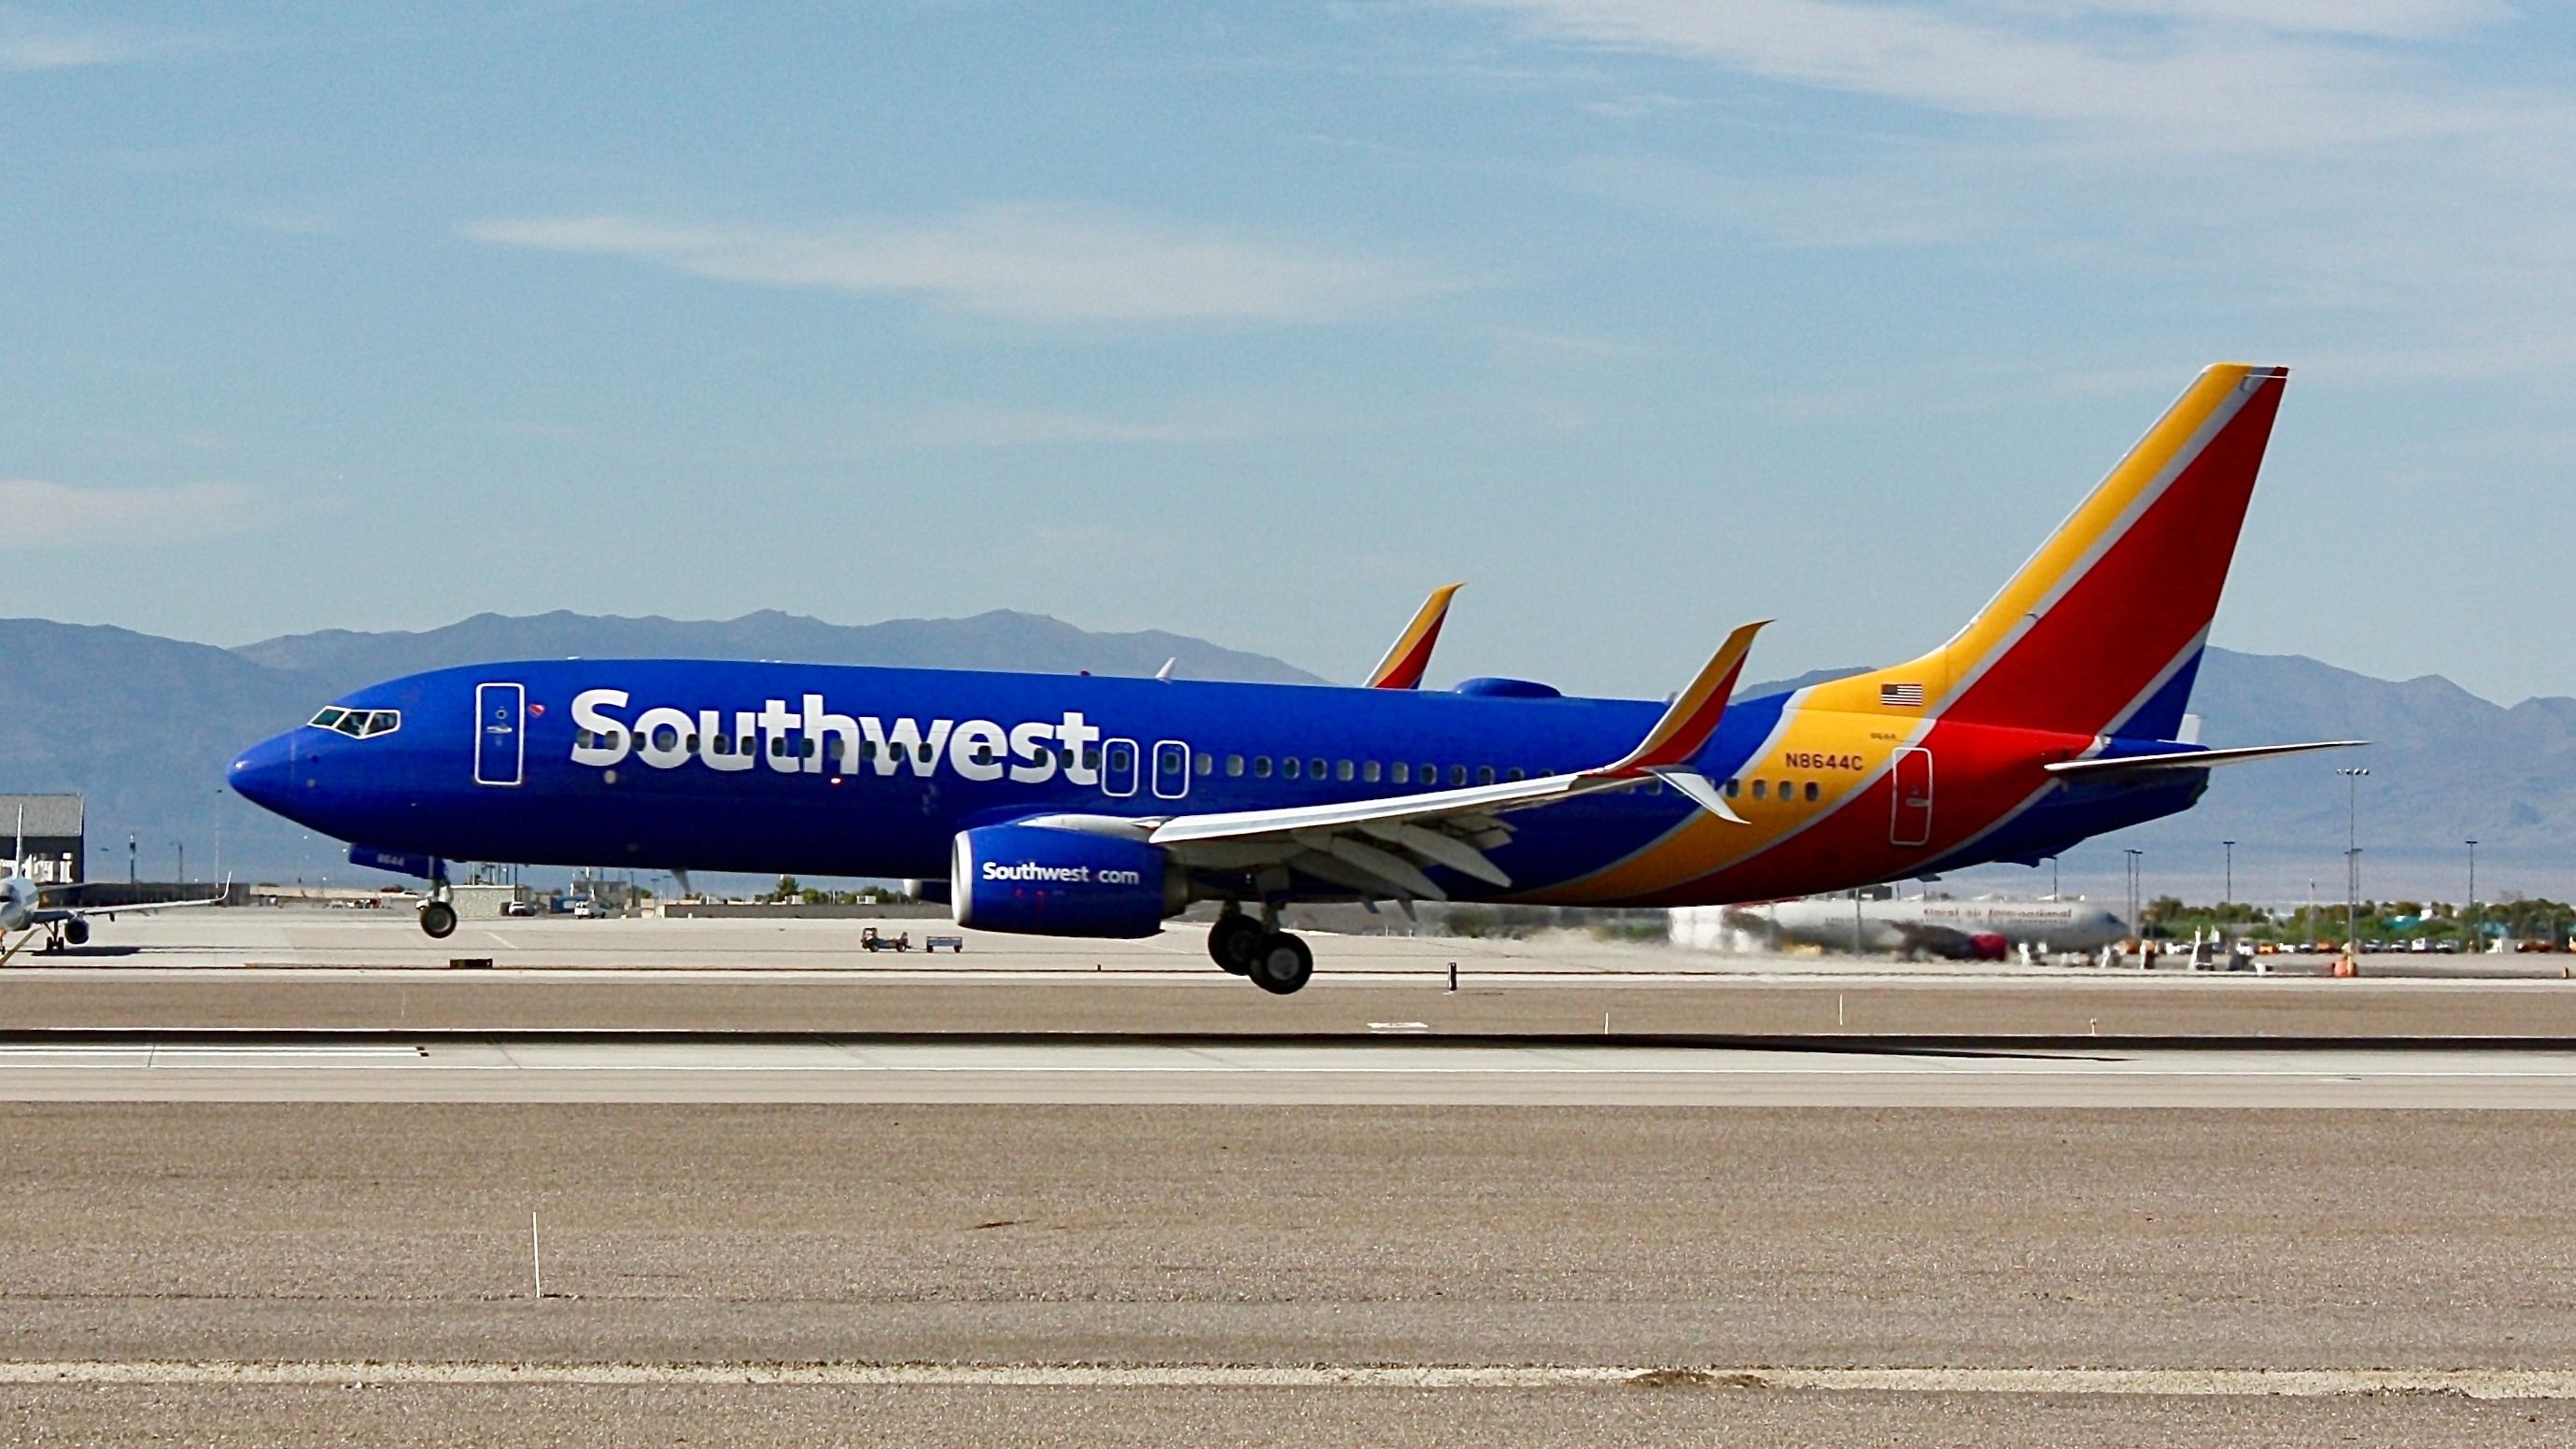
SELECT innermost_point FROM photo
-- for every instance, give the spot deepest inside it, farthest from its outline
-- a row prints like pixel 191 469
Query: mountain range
pixel 144 725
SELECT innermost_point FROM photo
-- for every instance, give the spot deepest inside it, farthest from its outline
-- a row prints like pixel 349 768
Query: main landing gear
pixel 1274 960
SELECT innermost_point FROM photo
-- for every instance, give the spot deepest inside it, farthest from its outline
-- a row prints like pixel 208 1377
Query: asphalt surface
pixel 1257 1212
pixel 1252 1235
pixel 1156 1419
pixel 1205 1000
pixel 1399 1069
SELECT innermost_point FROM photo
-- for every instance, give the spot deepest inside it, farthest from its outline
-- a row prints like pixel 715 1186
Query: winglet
pixel 1409 658
pixel 1693 715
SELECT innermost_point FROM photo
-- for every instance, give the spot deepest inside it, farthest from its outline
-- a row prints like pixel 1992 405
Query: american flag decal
pixel 1903 696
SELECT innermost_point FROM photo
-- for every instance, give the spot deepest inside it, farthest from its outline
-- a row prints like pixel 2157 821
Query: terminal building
pixel 54 833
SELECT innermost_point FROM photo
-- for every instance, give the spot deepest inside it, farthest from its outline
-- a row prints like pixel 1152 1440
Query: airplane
pixel 1092 806
pixel 23 908
pixel 1956 930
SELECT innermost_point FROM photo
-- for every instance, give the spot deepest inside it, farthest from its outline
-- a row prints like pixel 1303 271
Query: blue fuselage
pixel 837 770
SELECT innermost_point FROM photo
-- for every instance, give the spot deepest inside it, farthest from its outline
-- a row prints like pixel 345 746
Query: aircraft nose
pixel 265 773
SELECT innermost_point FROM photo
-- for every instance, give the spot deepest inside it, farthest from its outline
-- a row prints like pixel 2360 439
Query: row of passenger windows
pixel 358 724
pixel 1371 772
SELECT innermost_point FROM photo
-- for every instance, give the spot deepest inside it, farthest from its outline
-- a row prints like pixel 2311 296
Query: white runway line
pixel 2528 1384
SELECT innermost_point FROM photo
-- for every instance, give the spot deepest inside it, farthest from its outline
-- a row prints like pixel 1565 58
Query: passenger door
pixel 1910 813
pixel 500 733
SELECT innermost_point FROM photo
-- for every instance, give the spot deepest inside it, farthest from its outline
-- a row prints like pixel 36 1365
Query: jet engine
pixel 1041 881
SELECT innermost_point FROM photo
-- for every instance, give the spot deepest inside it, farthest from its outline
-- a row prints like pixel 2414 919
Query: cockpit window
pixel 358 724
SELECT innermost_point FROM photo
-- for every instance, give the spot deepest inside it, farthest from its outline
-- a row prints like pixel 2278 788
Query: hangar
pixel 54 829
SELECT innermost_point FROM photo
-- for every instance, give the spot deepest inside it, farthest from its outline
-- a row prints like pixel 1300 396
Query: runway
pixel 1401 1070
pixel 776 1190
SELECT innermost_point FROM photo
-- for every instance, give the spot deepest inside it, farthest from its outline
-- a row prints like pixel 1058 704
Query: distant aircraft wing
pixel 1383 846
pixel 1409 658
pixel 46 915
pixel 2189 759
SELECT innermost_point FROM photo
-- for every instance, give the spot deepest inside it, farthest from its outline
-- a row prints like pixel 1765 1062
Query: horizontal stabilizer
pixel 2190 759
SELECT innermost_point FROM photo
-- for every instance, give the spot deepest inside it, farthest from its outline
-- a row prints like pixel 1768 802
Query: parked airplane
pixel 1101 807
pixel 1959 930
pixel 23 908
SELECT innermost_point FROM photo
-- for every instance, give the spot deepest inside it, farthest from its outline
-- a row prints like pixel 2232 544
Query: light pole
pixel 181 846
pixel 2229 893
pixel 2352 775
pixel 2476 936
pixel 2052 879
pixel 129 857
pixel 2135 875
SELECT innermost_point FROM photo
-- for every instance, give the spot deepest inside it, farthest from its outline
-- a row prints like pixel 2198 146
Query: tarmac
pixel 1021 1198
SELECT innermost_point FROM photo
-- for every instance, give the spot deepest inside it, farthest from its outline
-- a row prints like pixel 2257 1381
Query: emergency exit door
pixel 1910 818
pixel 500 733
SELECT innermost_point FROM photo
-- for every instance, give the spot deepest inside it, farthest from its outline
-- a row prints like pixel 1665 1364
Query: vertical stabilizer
pixel 2101 631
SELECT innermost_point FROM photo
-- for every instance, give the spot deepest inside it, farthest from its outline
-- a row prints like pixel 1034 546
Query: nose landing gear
pixel 438 914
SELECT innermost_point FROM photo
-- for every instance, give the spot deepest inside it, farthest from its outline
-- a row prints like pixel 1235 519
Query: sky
pixel 1643 317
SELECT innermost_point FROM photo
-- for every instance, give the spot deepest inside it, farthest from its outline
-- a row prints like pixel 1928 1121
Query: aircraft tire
pixel 1281 964
pixel 1231 942
pixel 438 919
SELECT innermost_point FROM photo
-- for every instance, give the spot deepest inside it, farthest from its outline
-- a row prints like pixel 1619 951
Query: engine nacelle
pixel 1988 946
pixel 76 932
pixel 1044 882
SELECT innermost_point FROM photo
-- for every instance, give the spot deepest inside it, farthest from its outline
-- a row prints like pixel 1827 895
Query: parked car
pixel 517 908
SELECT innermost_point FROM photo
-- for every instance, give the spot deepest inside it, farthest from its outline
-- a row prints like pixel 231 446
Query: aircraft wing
pixel 1383 846
pixel 1409 658
pixel 46 915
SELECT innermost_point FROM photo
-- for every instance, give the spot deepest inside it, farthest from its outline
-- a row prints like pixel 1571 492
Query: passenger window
pixel 1784 789
pixel 581 739
pixel 1261 767
pixel 1233 766
pixel 1517 773
pixel 1403 773
pixel 1369 771
pixel 1204 765
pixel 690 743
pixel 778 746
pixel 1758 792
pixel 1343 770
pixel 1484 774
pixel 1811 790
pixel 1730 789
pixel 1289 767
pixel 1090 758
pixel 1457 774
pixel 1315 769
pixel 1430 774
pixel 982 755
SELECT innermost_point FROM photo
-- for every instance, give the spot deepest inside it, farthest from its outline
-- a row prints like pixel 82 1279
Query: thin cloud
pixel 2189 71
pixel 34 43
pixel 1023 263
pixel 43 513
pixel 1000 428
